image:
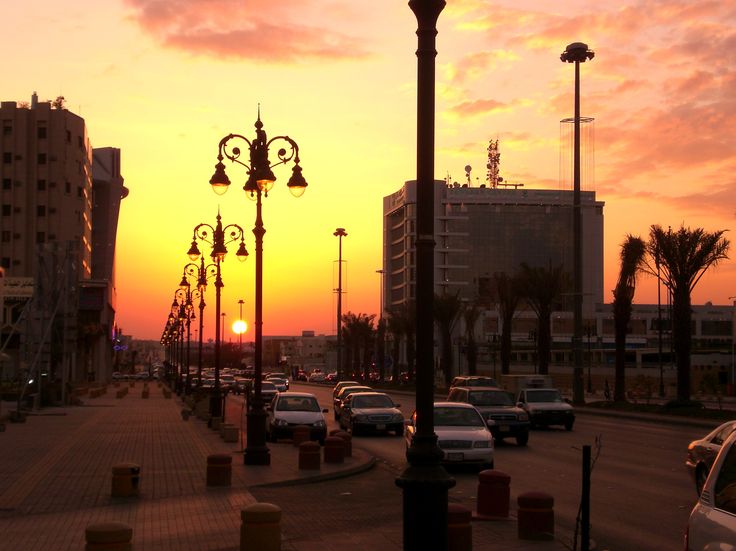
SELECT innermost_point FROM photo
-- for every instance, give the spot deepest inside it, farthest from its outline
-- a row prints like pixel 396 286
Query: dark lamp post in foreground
pixel 217 236
pixel 260 181
pixel 577 53
pixel 425 483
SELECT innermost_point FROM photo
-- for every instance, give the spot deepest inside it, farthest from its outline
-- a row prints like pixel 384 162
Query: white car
pixel 712 523
pixel 462 434
pixel 289 409
pixel 545 407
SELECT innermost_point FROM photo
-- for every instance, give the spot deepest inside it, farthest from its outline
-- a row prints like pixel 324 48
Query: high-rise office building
pixel 479 231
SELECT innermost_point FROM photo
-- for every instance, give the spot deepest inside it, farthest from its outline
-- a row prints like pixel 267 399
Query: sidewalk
pixel 55 479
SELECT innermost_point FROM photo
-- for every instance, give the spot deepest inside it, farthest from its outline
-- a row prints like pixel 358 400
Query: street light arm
pixel 282 154
pixel 233 153
pixel 204 232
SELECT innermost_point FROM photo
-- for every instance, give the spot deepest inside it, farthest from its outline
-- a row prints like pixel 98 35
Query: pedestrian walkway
pixel 56 475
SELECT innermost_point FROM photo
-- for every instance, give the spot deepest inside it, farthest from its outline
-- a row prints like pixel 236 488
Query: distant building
pixel 58 221
pixel 479 231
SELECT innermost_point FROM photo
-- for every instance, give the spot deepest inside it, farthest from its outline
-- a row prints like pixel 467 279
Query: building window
pixel 68 136
pixel 7 158
pixel 42 158
pixel 7 128
pixel 41 210
pixel 7 183
pixel 6 236
pixel 5 262
pixel 41 132
pixel 68 187
pixel 80 191
pixel 6 210
pixel 41 185
pixel 40 237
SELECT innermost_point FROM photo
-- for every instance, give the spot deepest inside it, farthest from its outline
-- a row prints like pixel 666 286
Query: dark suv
pixel 504 418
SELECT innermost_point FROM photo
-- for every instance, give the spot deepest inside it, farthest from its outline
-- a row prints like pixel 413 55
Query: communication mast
pixel 494 160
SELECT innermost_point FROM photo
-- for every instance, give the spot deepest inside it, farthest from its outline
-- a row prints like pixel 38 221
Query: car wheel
pixel 568 426
pixel 399 430
pixel 522 439
pixel 353 429
pixel 701 475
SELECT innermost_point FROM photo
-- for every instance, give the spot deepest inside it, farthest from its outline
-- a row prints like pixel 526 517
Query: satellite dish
pixel 468 168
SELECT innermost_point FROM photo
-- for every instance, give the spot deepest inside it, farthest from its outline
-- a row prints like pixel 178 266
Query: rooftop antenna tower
pixel 494 161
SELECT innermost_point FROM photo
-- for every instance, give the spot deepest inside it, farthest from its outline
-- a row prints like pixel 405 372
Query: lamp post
pixel 201 274
pixel 381 352
pixel 260 181
pixel 425 483
pixel 588 330
pixel 659 324
pixel 241 329
pixel 733 342
pixel 577 53
pixel 339 233
pixel 219 237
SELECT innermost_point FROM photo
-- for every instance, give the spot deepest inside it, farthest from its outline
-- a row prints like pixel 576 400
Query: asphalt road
pixel 641 494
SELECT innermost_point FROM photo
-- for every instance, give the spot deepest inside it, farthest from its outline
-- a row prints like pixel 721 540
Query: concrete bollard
pixel 230 433
pixel 536 516
pixel 299 434
pixel 309 455
pixel 125 480
pixel 219 469
pixel 459 529
pixel 108 536
pixel 334 450
pixel 494 491
pixel 347 440
pixel 260 528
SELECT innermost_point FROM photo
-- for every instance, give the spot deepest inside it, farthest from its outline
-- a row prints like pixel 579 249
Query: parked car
pixel 317 377
pixel 546 407
pixel 462 434
pixel 342 384
pixel 702 453
pixel 712 522
pixel 289 409
pixel 473 380
pixel 331 377
pixel 282 384
pixel 301 375
pixel 343 393
pixel 371 411
pixel 268 391
pixel 503 417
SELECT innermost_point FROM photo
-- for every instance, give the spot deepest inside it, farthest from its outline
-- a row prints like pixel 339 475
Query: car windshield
pixel 297 403
pixel 490 398
pixel 267 386
pixel 481 381
pixel 375 401
pixel 457 417
pixel 349 390
pixel 276 381
pixel 543 396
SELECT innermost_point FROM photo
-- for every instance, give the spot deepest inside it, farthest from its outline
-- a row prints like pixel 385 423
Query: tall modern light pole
pixel 219 237
pixel 659 324
pixel 733 343
pixel 577 53
pixel 339 233
pixel 425 483
pixel 260 181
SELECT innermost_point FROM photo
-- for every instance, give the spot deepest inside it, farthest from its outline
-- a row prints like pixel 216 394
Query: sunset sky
pixel 165 80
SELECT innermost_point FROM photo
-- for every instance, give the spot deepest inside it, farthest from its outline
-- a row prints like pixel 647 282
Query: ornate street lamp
pixel 260 181
pixel 339 233
pixel 425 483
pixel 200 274
pixel 577 53
pixel 219 237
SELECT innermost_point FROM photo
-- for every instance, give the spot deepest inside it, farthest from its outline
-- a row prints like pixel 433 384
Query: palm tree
pixel 470 317
pixel 359 331
pixel 633 250
pixel 509 293
pixel 446 310
pixel 542 287
pixel 381 347
pixel 683 256
pixel 396 323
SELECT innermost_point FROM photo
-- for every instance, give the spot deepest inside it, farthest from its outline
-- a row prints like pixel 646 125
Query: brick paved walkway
pixel 55 479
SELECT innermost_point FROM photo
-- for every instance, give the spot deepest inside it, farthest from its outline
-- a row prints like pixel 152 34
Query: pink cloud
pixel 477 107
pixel 255 30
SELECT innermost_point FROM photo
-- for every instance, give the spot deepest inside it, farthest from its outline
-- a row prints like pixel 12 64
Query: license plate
pixel 503 428
pixel 380 427
pixel 455 456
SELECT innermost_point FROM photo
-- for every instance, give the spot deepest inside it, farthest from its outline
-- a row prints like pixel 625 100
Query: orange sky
pixel 164 80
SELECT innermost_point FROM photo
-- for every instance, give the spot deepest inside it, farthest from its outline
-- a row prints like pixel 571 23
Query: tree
pixel 359 332
pixel 542 287
pixel 396 325
pixel 509 293
pixel 446 310
pixel 471 313
pixel 683 257
pixel 633 250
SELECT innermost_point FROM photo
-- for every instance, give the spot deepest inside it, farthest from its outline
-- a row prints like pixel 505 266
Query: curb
pixel 360 468
pixel 652 418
